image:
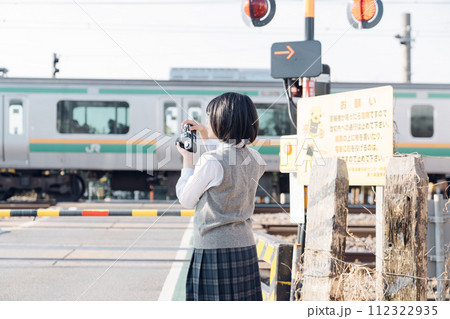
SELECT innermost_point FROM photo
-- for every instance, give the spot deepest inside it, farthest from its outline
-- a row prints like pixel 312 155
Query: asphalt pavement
pixel 91 258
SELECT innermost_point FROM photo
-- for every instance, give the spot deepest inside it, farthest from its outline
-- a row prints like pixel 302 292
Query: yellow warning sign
pixel 355 126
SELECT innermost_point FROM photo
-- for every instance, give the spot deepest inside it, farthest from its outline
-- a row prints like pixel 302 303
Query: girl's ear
pixel 210 131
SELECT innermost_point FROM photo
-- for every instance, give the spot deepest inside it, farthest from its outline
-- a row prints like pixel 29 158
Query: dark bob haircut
pixel 233 118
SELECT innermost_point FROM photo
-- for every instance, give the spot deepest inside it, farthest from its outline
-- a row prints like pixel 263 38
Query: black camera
pixel 188 139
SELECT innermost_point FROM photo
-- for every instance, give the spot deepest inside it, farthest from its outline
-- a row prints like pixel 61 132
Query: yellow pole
pixel 309 8
pixel 309 19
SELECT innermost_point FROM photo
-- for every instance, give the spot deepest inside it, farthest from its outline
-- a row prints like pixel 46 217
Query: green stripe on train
pixel 174 92
pixel 400 95
pixel 268 150
pixel 89 148
pixel 121 148
pixel 425 151
pixel 42 90
pixel 405 94
pixel 115 148
pixel 439 95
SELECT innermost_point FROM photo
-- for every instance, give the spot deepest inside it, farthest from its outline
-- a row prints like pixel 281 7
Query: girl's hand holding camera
pixel 200 128
pixel 188 157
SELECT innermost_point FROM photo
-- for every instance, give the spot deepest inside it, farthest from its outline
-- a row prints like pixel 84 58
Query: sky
pixel 136 39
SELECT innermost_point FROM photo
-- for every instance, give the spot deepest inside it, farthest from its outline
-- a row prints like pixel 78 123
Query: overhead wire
pixel 187 30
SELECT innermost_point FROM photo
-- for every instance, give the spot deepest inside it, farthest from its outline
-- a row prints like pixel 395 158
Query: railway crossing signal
pixel 364 14
pixel 296 59
pixel 260 12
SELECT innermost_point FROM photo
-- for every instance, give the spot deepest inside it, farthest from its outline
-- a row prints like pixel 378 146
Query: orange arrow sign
pixel 289 53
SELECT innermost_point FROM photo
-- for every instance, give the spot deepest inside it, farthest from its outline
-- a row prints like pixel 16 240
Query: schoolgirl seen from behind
pixel 222 187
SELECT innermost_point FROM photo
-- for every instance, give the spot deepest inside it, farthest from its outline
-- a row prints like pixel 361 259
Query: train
pixel 57 134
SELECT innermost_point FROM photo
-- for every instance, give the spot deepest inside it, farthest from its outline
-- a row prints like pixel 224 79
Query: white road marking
pixel 27 224
pixel 174 273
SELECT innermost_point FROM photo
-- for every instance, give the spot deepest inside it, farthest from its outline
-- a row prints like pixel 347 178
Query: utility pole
pixel 55 64
pixel 406 40
pixel 3 72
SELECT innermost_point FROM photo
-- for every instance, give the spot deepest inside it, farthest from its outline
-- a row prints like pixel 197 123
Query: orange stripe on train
pixel 84 141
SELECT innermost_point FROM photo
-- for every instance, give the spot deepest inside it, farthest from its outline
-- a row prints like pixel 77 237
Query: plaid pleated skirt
pixel 224 274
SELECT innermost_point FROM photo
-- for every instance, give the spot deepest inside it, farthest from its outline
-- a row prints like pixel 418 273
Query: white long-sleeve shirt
pixel 207 173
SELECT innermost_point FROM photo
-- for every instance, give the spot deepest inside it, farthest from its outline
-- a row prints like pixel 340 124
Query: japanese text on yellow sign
pixel 355 126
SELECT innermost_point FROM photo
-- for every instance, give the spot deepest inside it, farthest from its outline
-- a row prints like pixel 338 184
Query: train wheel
pixel 5 192
pixel 77 188
pixel 4 195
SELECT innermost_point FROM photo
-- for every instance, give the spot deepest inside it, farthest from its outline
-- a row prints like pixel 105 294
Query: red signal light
pixel 364 14
pixel 259 8
pixel 258 13
pixel 363 9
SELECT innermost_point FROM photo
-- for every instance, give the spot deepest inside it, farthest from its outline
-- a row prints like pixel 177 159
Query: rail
pixel 26 204
pixel 291 229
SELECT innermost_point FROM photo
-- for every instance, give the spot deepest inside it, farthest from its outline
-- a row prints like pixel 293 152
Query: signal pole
pixel 308 88
pixel 309 20
pixel 308 83
pixel 406 40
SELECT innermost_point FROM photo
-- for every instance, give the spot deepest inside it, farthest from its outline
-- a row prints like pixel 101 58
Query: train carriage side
pixel 423 127
pixel 92 125
pixel 66 125
pixel 87 132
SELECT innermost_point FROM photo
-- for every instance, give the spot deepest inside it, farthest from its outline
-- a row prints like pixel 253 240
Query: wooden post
pixel 325 231
pixel 405 229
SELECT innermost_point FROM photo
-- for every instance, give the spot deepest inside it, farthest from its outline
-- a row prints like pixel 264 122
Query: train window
pixel 15 117
pixel 195 111
pixel 170 118
pixel 422 121
pixel 93 117
pixel 274 120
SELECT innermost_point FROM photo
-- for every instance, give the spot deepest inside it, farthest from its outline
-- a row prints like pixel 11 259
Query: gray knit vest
pixel 223 213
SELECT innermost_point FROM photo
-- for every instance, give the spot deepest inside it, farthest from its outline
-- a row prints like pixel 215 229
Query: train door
pixel 15 133
pixel 2 128
pixel 193 110
pixel 171 116
pixel 167 154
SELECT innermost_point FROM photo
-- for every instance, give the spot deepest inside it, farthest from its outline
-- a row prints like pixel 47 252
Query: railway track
pixel 291 229
pixel 363 258
pixel 285 208
pixel 360 258
pixel 27 204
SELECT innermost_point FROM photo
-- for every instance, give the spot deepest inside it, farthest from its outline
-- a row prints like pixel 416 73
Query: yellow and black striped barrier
pixel 278 254
pixel 93 212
